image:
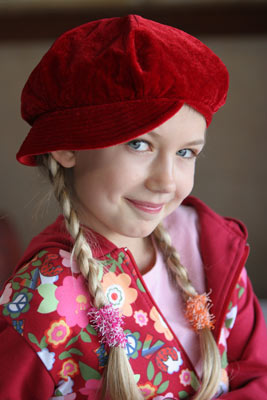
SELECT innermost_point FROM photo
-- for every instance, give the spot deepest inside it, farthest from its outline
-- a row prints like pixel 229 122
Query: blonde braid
pixel 209 350
pixel 118 377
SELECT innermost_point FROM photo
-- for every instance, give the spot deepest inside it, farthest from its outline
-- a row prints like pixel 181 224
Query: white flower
pixel 47 357
pixel 173 365
pixel 48 279
pixel 65 387
pixel 231 317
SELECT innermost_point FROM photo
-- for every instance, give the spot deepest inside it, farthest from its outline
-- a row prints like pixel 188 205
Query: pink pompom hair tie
pixel 198 312
pixel 108 325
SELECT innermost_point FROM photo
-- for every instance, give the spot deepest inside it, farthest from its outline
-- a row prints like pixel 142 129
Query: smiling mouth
pixel 150 208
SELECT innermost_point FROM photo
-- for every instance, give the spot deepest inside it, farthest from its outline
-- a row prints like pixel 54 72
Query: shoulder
pixel 38 290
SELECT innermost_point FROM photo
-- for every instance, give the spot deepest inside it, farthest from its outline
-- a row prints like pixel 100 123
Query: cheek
pixel 185 180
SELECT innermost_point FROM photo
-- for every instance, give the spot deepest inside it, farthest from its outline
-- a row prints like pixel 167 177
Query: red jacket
pixel 47 346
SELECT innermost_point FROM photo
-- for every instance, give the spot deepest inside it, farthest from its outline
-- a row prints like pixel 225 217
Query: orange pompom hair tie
pixel 198 312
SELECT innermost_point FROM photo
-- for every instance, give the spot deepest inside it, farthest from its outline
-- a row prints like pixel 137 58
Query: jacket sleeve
pixel 22 374
pixel 247 351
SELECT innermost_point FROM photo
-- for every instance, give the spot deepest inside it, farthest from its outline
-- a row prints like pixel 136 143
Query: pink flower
pixel 185 377
pixel 69 368
pixel 141 317
pixel 66 261
pixel 165 397
pixel 57 333
pixel 74 301
pixel 6 296
pixel 148 390
pixel 92 387
pixel 243 278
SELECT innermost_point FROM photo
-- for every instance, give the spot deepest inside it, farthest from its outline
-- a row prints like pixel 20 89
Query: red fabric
pixel 25 377
pixel 247 350
pixel 111 80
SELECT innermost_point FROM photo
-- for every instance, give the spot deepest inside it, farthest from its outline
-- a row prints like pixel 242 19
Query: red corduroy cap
pixel 111 80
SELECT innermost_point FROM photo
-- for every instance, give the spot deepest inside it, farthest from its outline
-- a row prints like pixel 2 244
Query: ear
pixel 65 158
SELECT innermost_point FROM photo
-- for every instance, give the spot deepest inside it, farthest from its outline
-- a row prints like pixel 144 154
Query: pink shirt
pixel 182 226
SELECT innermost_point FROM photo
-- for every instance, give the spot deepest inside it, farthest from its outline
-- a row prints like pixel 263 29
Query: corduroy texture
pixel 111 80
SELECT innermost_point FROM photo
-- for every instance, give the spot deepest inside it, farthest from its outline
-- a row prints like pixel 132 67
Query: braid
pixel 209 350
pixel 81 249
pixel 118 377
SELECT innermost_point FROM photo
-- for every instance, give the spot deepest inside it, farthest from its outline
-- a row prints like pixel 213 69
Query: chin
pixel 141 233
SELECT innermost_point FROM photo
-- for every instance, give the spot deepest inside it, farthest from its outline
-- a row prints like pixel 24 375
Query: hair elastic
pixel 107 322
pixel 197 312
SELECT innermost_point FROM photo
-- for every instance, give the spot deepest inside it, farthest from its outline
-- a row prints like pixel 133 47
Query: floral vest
pixel 47 303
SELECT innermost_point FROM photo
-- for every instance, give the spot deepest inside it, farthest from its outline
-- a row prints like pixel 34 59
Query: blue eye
pixel 139 145
pixel 186 153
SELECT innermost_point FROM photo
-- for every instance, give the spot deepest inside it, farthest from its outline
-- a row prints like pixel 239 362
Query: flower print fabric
pixel 73 301
pixel 64 344
pixel 58 332
pixel 140 317
pixel 119 293
pixel 159 324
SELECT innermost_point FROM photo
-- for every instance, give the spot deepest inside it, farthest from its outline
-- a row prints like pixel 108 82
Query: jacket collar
pixel 224 252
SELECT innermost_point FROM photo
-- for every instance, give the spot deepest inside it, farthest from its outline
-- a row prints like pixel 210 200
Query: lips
pixel 151 208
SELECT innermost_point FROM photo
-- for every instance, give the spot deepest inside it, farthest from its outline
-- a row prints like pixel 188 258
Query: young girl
pixel 102 304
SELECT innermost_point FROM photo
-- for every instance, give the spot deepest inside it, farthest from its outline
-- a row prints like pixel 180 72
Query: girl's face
pixel 127 189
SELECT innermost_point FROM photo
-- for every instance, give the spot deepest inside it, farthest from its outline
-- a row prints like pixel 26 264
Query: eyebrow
pixel 196 142
pixel 192 143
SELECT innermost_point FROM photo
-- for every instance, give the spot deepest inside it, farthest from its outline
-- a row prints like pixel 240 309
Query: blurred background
pixel 232 173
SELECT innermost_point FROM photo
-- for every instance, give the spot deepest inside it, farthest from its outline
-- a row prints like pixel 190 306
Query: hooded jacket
pixel 48 348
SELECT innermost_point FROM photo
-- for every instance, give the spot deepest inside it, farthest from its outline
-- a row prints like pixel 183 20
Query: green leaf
pixel 100 274
pixel 230 305
pixel 241 291
pixel 163 387
pixel 25 276
pixel 140 286
pixel 33 339
pixel 224 361
pixel 112 268
pixel 137 377
pixel 194 381
pixel 85 337
pixel 88 372
pixel 228 322
pixel 37 263
pixel 150 371
pixel 64 355
pixel 49 302
pixel 42 253
pixel 73 340
pixel 91 330
pixel 75 351
pixel 43 343
pixel 158 379
pixel 15 285
pixel 183 394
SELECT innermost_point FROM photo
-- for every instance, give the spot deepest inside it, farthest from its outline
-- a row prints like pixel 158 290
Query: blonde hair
pixel 118 377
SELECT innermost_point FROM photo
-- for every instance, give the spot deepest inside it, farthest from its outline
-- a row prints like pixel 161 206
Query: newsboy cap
pixel 111 80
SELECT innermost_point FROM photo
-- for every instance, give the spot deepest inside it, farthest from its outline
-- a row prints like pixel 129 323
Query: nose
pixel 161 176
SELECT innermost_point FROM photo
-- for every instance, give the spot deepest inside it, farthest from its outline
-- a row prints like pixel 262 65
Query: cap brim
pixel 98 126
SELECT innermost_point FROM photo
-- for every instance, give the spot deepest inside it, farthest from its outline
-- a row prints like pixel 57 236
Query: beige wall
pixel 231 175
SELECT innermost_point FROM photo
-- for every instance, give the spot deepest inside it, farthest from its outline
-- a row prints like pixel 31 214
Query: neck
pixel 143 252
